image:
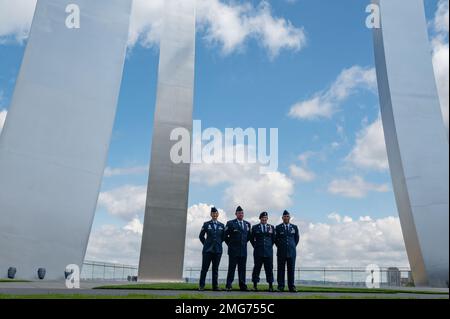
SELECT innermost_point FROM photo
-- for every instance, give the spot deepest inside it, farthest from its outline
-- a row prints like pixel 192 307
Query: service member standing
pixel 286 240
pixel 237 235
pixel 262 239
pixel 212 248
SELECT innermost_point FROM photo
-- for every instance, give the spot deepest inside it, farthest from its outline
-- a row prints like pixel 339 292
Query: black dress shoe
pixel 293 289
pixel 280 289
pixel 270 288
pixel 244 289
pixel 217 289
pixel 255 287
pixel 201 289
pixel 228 288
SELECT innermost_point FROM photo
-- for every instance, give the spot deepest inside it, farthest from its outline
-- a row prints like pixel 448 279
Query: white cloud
pixel 355 187
pixel 146 23
pixel 341 242
pixel 241 184
pixel 216 174
pixel 3 114
pixel 228 24
pixel 441 57
pixel 135 226
pixel 352 243
pixel 441 17
pixel 15 18
pixel 271 191
pixel 276 33
pixel 231 24
pixel 302 174
pixel 126 201
pixel 317 107
pixel 324 104
pixel 245 186
pixel 369 151
pixel 224 23
pixel 111 243
pixel 137 170
pixel 338 218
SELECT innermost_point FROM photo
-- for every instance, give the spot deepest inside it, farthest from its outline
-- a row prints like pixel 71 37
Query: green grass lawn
pixel 189 291
pixel 192 286
pixel 146 296
pixel 12 280
pixel 190 296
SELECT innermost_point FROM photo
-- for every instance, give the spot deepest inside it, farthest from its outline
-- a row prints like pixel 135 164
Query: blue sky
pixel 250 86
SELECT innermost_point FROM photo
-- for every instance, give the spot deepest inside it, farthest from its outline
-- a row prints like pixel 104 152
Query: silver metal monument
pixel 54 145
pixel 163 239
pixel 417 143
pixel 53 148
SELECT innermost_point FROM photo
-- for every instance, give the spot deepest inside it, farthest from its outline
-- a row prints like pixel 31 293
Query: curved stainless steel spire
pixel 54 145
pixel 416 137
pixel 163 238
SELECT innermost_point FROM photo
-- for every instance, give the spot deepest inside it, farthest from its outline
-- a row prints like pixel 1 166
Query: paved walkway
pixel 42 288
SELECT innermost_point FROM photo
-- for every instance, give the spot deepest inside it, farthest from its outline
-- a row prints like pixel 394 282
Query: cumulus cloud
pixel 136 170
pixel 125 201
pixel 352 243
pixel 146 23
pixel 441 56
pixel 271 191
pixel 340 242
pixel 228 24
pixel 241 184
pixel 355 187
pixel 245 186
pixel 441 17
pixel 111 243
pixel 231 24
pixel 15 19
pixel 326 103
pixel 3 114
pixel 369 151
pixel 301 172
pixel 135 226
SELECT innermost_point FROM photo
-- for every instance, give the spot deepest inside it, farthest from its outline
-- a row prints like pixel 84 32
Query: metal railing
pixel 323 276
pixel 93 270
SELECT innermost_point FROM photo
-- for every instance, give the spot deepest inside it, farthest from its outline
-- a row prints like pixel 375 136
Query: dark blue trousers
pixel 268 268
pixel 241 263
pixel 282 262
pixel 209 258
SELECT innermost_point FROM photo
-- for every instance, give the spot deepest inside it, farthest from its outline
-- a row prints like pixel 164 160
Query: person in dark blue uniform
pixel 237 235
pixel 286 240
pixel 262 239
pixel 212 248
